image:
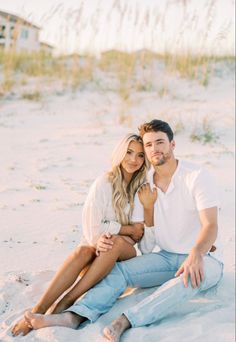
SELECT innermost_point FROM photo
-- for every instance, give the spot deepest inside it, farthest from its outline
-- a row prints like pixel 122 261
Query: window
pixel 24 33
pixel 12 31
pixel 2 31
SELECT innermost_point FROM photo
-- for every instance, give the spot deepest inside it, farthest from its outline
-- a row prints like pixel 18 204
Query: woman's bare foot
pixel 116 329
pixel 65 319
pixel 21 327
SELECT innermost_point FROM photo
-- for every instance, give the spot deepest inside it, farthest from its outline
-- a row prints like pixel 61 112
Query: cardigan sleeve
pixel 138 213
pixel 95 209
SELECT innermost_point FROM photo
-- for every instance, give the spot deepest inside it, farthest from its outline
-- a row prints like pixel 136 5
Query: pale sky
pixel 160 25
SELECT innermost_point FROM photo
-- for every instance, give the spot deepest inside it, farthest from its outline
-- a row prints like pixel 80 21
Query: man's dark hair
pixel 156 126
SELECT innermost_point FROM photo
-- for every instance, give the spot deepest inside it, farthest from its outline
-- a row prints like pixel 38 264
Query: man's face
pixel 158 148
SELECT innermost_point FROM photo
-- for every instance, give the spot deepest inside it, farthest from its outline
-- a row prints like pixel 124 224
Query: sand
pixel 52 150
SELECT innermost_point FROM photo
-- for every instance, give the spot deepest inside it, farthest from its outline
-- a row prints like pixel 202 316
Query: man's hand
pixel 192 267
pixel 138 231
pixel 147 196
pixel 104 243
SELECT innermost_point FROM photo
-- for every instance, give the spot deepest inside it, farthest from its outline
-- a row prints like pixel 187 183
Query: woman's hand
pixel 147 196
pixel 137 231
pixel 104 243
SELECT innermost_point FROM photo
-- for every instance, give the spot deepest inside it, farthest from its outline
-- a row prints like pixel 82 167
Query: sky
pixel 93 26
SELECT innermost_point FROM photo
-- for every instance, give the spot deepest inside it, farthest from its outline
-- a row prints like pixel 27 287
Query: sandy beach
pixel 52 150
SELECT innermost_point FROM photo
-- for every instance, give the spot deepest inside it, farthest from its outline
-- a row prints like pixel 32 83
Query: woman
pixel 107 211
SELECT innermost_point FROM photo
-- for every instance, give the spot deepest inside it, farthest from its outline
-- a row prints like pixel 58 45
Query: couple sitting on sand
pixel 173 206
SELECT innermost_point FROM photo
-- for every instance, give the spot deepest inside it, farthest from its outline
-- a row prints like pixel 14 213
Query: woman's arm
pixel 148 198
pixel 95 212
pixel 95 209
pixel 135 231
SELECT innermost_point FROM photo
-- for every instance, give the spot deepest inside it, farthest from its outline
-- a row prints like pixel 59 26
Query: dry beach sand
pixel 52 150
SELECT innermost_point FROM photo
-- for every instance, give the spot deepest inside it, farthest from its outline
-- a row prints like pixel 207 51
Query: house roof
pixel 16 19
pixel 47 45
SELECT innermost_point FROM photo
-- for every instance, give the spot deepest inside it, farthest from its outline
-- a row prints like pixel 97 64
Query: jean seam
pixel 144 274
pixel 159 271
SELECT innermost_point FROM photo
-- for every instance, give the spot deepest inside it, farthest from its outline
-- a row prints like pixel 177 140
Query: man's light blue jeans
pixel 146 271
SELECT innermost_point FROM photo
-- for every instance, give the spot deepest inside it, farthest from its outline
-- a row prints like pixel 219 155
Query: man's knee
pixel 213 271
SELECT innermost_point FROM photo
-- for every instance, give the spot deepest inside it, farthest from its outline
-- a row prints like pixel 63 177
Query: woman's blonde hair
pixel 122 195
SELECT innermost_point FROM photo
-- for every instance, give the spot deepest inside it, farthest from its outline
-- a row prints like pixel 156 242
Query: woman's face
pixel 134 157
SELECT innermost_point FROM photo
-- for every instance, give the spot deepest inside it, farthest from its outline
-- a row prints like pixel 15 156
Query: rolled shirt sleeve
pixel 205 190
pixel 148 241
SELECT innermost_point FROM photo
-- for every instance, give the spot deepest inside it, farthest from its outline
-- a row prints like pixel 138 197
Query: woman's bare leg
pixel 62 281
pixel 65 276
pixel 101 266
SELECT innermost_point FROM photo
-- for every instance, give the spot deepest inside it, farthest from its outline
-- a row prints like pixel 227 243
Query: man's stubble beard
pixel 164 159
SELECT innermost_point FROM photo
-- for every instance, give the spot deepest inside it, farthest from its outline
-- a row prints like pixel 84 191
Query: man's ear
pixel 172 144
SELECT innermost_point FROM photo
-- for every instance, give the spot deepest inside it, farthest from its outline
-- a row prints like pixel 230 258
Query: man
pixel 184 219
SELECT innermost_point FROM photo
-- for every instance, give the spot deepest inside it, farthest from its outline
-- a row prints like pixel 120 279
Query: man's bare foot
pixel 113 331
pixel 21 327
pixel 65 319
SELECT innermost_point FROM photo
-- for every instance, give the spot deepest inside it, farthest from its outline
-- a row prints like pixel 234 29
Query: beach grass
pixel 74 70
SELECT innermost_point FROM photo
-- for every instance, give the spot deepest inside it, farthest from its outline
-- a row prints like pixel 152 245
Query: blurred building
pixel 19 34
pixel 45 47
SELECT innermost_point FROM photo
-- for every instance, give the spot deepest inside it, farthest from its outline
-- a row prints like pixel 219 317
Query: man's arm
pixel 193 265
pixel 208 233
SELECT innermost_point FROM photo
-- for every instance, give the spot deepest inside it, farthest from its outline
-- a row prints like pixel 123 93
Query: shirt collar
pixel 171 185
